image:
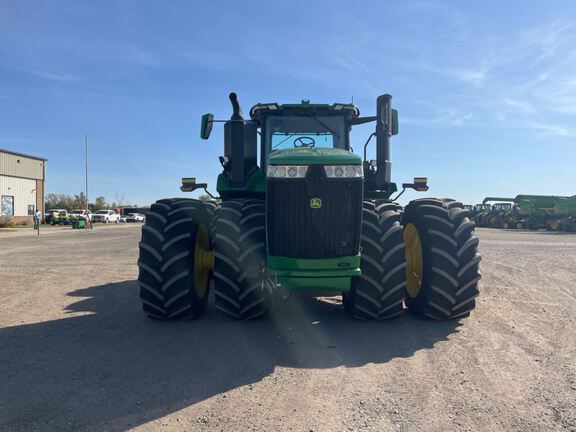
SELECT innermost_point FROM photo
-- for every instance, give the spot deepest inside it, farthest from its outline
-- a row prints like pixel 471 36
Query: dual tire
pixel 174 257
pixel 426 257
pixel 442 259
pixel 178 238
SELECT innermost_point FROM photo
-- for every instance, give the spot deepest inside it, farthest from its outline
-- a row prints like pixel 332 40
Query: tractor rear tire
pixel 174 236
pixel 379 292
pixel 442 259
pixel 239 259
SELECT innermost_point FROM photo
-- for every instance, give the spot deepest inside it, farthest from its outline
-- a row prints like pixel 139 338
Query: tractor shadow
pixel 108 367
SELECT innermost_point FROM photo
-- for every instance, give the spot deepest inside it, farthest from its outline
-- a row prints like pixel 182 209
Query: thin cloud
pixel 550 129
pixel 54 76
pixel 142 57
pixel 443 119
pixel 519 105
pixel 472 76
pixel 530 77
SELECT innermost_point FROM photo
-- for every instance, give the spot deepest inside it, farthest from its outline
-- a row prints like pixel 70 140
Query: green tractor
pixel 479 214
pixel 309 217
pixel 503 214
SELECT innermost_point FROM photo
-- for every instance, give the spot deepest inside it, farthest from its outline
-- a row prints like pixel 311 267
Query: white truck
pixel 106 216
pixel 82 214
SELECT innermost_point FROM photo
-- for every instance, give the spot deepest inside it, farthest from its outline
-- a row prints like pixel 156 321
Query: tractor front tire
pixel 239 259
pixel 174 263
pixel 442 259
pixel 379 292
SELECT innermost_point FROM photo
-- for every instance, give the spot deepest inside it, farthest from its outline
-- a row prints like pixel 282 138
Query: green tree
pixel 100 203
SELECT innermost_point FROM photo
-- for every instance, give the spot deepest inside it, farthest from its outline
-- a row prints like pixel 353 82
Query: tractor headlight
pixel 343 171
pixel 287 171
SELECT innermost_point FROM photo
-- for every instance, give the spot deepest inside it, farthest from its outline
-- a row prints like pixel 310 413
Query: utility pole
pixel 88 219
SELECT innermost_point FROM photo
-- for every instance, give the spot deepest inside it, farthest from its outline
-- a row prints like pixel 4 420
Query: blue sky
pixel 486 90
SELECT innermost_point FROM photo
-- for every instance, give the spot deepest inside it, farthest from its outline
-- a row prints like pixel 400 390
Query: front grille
pixel 296 230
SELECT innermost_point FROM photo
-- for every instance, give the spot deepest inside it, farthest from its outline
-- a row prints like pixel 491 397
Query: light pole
pixel 88 218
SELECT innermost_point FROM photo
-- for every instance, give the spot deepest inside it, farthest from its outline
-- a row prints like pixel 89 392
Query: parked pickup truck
pixel 106 216
pixel 135 217
pixel 82 214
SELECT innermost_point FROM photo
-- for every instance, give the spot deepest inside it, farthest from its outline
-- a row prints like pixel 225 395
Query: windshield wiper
pixel 325 126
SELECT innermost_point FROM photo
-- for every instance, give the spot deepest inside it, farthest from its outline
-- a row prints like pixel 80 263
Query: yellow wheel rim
pixel 414 260
pixel 554 226
pixel 203 260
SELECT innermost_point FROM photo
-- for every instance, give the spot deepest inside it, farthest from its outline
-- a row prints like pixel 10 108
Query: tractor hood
pixel 313 156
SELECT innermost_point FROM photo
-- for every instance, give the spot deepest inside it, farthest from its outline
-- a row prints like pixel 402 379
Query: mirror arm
pixel 210 195
pixel 399 195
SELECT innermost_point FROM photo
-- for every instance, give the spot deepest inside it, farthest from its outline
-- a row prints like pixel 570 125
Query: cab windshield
pixel 503 206
pixel 283 132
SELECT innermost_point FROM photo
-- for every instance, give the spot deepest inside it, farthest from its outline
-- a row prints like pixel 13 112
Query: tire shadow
pixel 108 367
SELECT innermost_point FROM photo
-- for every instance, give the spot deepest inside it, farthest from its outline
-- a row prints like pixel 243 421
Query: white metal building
pixel 22 180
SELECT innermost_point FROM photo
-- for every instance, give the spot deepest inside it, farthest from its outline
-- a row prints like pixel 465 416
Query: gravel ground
pixel 76 353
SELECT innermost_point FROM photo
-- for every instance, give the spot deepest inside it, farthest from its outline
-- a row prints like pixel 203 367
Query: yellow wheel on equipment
pixel 414 260
pixel 203 260
pixel 554 226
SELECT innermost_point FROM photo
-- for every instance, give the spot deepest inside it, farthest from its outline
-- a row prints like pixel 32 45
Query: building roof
pixel 22 154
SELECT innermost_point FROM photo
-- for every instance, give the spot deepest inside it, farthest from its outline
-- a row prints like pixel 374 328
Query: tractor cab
pixel 304 126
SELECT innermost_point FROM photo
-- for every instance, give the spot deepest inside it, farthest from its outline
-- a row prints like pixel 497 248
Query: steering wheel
pixel 305 141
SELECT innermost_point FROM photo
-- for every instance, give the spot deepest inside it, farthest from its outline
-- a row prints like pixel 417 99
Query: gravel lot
pixel 76 353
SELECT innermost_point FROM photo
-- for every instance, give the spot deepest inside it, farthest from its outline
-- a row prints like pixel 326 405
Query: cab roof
pixel 305 108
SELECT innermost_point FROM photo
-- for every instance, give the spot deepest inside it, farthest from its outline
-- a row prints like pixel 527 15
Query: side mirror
pixel 206 126
pixel 189 184
pixel 420 184
pixel 394 125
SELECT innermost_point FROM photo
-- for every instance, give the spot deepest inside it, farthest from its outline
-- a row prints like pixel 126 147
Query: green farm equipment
pixel 564 218
pixel 311 217
pixel 538 211
pixel 503 214
pixel 479 212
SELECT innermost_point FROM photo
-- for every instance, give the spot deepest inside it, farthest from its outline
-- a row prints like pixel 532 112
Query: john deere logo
pixel 315 203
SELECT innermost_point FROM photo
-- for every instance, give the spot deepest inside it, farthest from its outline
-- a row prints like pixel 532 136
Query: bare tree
pixel 119 199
